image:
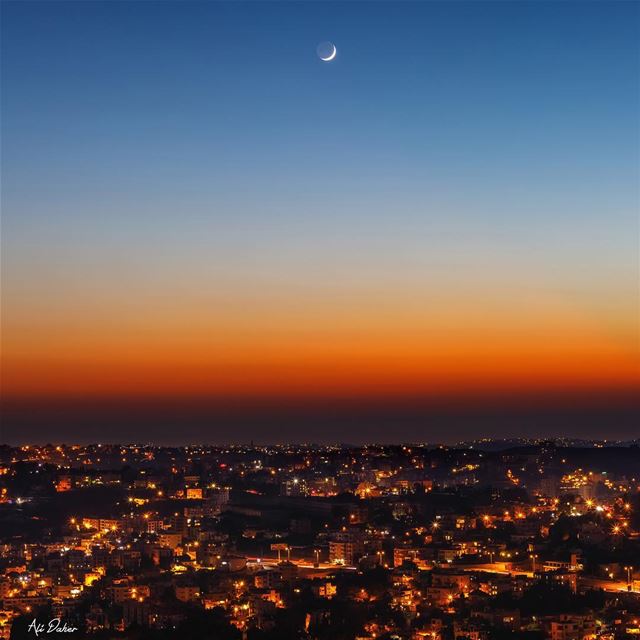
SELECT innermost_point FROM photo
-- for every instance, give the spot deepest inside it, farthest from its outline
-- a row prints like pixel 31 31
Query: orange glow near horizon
pixel 198 210
pixel 353 349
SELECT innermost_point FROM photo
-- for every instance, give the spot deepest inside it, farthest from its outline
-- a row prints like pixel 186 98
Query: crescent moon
pixel 332 56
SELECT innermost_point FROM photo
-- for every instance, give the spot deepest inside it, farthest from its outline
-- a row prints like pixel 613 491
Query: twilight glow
pixel 194 205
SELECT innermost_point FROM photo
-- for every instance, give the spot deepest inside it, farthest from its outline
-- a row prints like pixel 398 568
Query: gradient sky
pixel 196 208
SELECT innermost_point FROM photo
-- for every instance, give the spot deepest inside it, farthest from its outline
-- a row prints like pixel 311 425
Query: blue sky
pixel 495 122
pixel 452 152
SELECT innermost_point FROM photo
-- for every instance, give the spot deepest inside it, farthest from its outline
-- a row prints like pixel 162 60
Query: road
pixel 300 563
pixel 613 586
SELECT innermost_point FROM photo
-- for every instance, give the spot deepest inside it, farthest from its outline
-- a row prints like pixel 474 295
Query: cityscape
pixel 320 320
pixel 484 539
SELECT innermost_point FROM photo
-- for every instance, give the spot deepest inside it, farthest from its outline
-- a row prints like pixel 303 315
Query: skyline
pixel 199 214
pixel 489 540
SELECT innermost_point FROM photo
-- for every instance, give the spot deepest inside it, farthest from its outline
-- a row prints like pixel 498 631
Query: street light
pixel 629 569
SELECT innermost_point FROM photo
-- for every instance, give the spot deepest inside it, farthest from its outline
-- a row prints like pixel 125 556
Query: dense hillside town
pixel 487 539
